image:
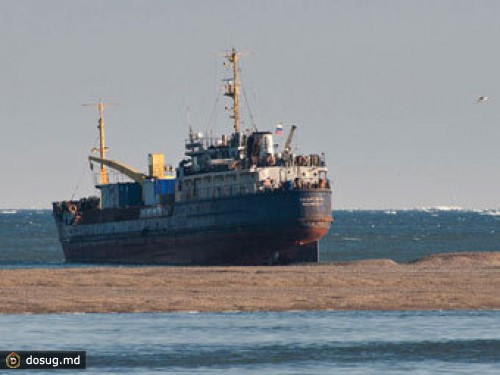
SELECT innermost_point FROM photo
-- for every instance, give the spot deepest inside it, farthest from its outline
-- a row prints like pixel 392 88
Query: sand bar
pixel 444 281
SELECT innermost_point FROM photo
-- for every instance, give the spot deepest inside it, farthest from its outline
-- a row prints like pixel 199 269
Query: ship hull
pixel 269 228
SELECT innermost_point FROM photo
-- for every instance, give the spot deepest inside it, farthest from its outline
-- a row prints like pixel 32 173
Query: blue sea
pixel 28 238
pixel 316 343
pixel 275 343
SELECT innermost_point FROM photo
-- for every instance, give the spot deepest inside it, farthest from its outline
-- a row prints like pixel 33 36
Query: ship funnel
pixel 265 139
pixel 261 147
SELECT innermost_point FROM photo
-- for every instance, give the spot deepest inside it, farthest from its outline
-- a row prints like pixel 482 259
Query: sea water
pixel 28 238
pixel 355 342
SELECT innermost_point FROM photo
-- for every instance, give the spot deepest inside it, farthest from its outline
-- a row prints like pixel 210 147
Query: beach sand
pixel 443 281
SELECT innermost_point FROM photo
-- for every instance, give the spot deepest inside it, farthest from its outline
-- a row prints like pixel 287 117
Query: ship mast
pixel 233 88
pixel 103 175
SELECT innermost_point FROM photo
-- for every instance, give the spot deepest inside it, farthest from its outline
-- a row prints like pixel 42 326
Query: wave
pixel 8 212
pixel 194 356
pixel 443 208
pixel 490 212
pixel 394 211
pixel 351 239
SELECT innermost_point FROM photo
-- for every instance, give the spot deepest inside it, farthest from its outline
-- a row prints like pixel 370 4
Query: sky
pixel 386 89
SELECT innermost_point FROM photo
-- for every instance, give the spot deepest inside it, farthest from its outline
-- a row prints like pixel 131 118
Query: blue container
pixel 164 187
pixel 135 195
pixel 130 194
pixel 110 196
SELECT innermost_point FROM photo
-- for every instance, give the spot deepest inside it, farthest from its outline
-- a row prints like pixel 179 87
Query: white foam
pixel 490 212
pixel 444 208
pixel 7 212
pixel 351 238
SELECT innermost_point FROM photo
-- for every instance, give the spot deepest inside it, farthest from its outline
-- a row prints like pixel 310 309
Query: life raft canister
pixel 72 208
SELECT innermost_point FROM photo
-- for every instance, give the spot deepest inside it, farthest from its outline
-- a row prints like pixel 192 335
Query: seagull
pixel 482 99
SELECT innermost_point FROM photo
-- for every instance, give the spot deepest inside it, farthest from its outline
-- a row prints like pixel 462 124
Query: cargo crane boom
pixel 289 139
pixel 130 172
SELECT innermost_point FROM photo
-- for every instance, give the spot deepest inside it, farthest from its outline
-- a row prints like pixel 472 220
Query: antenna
pixel 188 118
pixel 232 85
pixel 102 146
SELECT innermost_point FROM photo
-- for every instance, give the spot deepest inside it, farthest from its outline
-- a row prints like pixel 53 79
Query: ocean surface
pixel 28 238
pixel 273 343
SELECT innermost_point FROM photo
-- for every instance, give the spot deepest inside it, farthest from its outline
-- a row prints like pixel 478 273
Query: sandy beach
pixel 443 281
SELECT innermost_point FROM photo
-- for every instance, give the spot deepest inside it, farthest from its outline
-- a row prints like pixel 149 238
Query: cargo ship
pixel 233 200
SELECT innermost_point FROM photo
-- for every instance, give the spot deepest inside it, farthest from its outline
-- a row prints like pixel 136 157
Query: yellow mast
pixel 233 90
pixel 102 145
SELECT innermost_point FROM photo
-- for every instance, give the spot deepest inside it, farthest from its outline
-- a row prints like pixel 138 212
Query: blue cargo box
pixel 164 187
pixel 130 194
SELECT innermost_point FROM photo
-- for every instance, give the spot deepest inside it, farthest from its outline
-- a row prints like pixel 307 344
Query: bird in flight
pixel 482 99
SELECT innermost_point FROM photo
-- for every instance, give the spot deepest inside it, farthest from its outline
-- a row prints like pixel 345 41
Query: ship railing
pixel 297 184
pixel 313 160
pixel 200 142
pixel 114 177
pixel 70 212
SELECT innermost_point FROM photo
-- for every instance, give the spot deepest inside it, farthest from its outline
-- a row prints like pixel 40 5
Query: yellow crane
pixel 130 172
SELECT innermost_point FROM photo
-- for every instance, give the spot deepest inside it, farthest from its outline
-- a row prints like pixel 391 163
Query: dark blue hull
pixel 278 227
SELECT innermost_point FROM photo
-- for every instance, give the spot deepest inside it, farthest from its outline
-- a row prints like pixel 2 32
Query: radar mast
pixel 103 175
pixel 232 87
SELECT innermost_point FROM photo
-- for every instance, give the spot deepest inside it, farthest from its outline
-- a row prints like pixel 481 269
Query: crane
pixel 289 140
pixel 130 172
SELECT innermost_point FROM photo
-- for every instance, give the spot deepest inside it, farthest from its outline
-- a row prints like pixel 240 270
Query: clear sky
pixel 385 88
